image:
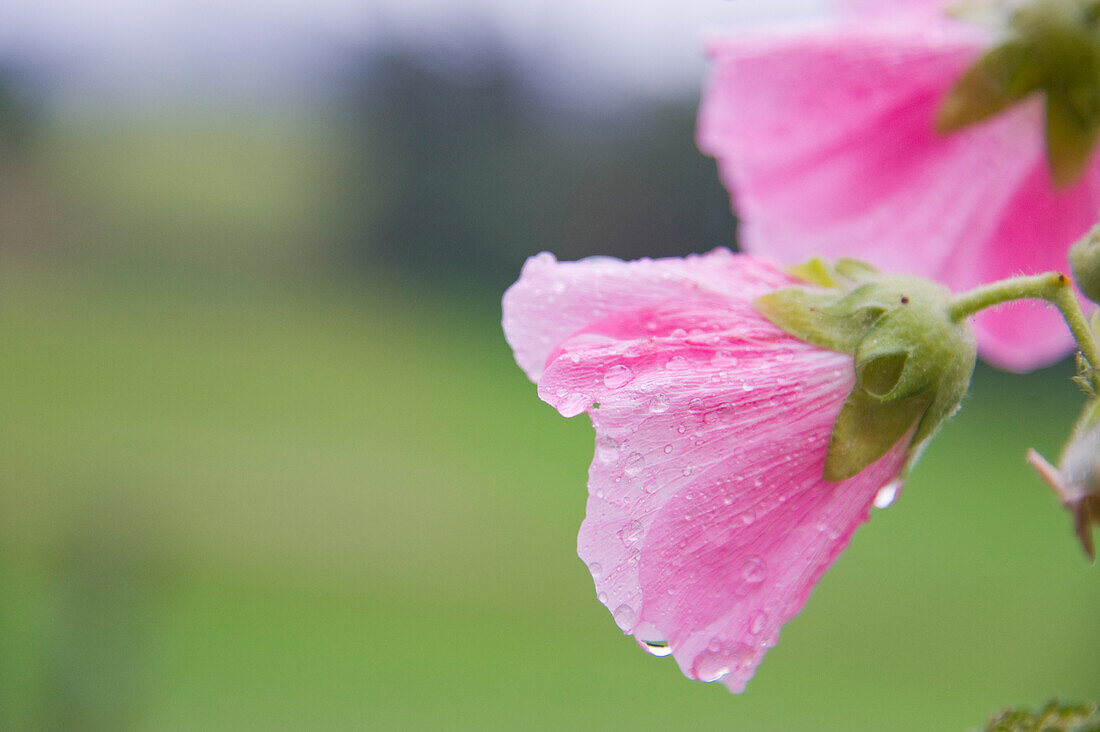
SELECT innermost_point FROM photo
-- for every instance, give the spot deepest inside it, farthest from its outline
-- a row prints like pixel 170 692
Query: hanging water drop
pixel 657 648
pixel 887 494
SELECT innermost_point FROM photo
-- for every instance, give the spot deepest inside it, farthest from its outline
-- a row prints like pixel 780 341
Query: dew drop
pixel 596 570
pixel 679 333
pixel 756 627
pixel 668 448
pixel 632 533
pixel 748 517
pixel 681 429
pixel 723 358
pixel 576 403
pixel 558 287
pixel 657 648
pixel 658 404
pixel 634 464
pixel 617 376
pixel 607 450
pixel 887 494
pixel 625 617
pixel 747 386
pixel 712 665
pixel 686 472
pixel 602 597
pixel 754 570
pixel 727 501
pixel 677 363
pixel 696 405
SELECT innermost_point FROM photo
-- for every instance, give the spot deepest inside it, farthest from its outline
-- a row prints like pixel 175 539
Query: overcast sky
pixel 623 47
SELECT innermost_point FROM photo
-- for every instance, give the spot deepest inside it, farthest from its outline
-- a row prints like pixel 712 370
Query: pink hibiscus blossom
pixel 708 520
pixel 826 139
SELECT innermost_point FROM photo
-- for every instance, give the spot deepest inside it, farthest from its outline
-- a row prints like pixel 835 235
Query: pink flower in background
pixel 708 520
pixel 826 140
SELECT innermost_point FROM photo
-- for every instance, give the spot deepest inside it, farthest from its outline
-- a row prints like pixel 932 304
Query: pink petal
pixel 708 521
pixel 827 142
pixel 553 300
pixel 1025 335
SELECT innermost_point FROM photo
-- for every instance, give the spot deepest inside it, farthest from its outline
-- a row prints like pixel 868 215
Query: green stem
pixel 1054 287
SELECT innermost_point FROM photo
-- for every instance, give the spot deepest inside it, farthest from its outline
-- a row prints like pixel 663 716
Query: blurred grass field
pixel 249 497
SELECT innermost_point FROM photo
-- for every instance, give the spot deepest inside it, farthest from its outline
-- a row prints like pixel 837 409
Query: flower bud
pixel 1084 259
pixel 1076 480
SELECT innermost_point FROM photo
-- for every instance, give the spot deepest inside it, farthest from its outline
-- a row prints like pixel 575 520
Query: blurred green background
pixel 268 464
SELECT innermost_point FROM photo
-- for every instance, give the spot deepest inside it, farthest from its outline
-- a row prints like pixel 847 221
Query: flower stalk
pixel 1053 287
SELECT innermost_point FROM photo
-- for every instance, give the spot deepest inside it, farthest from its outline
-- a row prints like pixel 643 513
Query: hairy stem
pixel 1054 287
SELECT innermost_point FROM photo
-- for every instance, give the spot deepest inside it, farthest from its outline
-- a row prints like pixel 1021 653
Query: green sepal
pixel 912 362
pixel 1003 76
pixel 811 316
pixel 1072 126
pixel 841 274
pixel 815 271
pixel 867 428
pixel 1050 47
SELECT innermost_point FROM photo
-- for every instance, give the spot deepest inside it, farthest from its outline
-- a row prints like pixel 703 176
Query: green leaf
pixel 1054 717
pixel 867 428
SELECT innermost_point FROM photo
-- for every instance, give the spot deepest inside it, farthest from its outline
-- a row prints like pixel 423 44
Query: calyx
pixel 912 361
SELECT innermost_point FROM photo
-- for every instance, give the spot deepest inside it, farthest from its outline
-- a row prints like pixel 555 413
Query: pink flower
pixel 708 520
pixel 826 140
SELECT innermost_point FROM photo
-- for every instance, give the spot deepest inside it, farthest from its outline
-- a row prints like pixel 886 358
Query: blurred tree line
pixel 470 171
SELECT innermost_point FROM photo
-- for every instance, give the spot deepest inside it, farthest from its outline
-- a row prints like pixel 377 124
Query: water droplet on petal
pixel 748 517
pixel 634 464
pixel 625 617
pixel 696 405
pixel 746 386
pixel 887 493
pixel 658 404
pixel 596 570
pixel 723 358
pixel 576 403
pixel 607 450
pixel 756 627
pixel 668 448
pixel 677 363
pixel 602 597
pixel 727 501
pixel 679 333
pixel 617 376
pixel 686 472
pixel 558 286
pixel 754 570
